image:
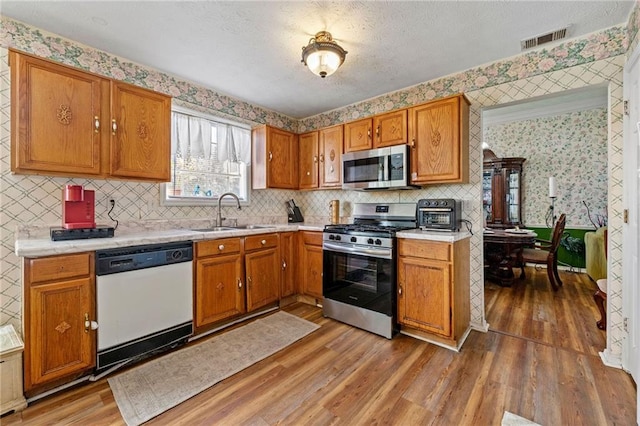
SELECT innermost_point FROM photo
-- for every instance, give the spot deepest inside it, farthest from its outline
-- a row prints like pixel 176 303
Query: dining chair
pixel 545 252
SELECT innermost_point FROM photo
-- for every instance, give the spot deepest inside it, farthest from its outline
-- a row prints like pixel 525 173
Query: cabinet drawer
pixel 255 242
pixel 59 267
pixel 312 238
pixel 218 247
pixel 424 249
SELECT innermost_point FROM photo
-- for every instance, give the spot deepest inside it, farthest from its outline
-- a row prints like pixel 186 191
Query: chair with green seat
pixel 545 252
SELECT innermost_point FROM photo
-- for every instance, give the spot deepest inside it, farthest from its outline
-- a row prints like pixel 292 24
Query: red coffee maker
pixel 78 207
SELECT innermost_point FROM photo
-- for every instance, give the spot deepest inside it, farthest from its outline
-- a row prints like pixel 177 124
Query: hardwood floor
pixel 539 360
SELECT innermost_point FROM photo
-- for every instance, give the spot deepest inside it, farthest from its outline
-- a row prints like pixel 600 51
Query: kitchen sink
pixel 254 226
pixel 215 229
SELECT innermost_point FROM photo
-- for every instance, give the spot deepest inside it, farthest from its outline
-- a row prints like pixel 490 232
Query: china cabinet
pixel 502 190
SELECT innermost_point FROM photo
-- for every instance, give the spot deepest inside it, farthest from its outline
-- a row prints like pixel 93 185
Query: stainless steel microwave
pixel 375 169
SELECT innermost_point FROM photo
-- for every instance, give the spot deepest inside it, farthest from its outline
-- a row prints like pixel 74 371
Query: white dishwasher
pixel 144 300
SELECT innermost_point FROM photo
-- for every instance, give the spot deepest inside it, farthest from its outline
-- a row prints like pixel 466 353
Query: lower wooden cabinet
pixel 262 269
pixel 59 299
pixel 288 285
pixel 219 278
pixel 310 263
pixel 433 287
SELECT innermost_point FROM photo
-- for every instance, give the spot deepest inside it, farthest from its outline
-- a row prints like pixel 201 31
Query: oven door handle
pixel 381 253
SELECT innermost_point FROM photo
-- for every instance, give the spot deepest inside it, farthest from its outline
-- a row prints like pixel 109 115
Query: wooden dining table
pixel 499 245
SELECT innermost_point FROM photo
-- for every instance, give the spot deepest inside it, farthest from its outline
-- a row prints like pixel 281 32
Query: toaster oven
pixel 442 214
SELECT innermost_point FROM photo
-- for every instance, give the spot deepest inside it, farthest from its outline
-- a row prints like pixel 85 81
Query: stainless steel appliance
pixel 144 300
pixel 381 168
pixel 443 214
pixel 359 266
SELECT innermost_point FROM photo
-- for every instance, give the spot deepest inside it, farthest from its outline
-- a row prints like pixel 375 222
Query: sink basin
pixel 215 229
pixel 254 226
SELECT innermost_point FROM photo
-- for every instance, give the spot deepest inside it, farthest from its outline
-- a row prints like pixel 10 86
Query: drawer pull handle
pixel 263 242
pixel 221 247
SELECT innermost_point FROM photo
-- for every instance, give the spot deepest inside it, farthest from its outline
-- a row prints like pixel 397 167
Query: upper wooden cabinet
pixel 358 135
pixel 321 158
pixel 390 129
pixel 274 158
pixel 140 129
pixel 439 137
pixel 67 122
pixel 377 132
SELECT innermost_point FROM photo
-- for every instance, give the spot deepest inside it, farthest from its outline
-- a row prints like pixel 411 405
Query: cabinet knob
pixel 413 143
pixel 400 290
pixel 263 242
pixel 378 131
pixel 284 264
pixel 239 284
pixel 114 126
pixel 322 158
pixel 96 124
pixel 89 325
pixel 270 156
pixel 315 158
pixel 221 247
pixel 369 133
pixel 248 281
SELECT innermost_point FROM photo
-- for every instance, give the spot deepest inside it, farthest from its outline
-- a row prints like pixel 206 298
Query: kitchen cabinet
pixel 67 122
pixel 358 135
pixel 219 278
pixel 379 131
pixel 321 158
pixel 390 129
pixel 59 305
pixel 439 138
pixel 274 158
pixel 288 285
pixel 262 268
pixel 310 263
pixel 433 288
pixel 502 190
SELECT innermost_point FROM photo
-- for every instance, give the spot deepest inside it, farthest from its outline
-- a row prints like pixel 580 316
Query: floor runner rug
pixel 158 385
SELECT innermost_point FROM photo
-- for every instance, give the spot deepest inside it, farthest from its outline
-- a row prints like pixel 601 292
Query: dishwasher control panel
pixel 124 259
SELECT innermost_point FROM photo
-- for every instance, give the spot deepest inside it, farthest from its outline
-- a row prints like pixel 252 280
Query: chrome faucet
pixel 219 219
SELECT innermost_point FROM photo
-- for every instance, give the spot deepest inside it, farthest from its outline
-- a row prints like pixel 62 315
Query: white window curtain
pixel 192 139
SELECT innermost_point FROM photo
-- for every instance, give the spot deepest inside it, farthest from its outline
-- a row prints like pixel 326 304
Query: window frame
pixel 205 201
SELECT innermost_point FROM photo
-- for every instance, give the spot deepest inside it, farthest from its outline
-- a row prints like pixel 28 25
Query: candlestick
pixel 552 187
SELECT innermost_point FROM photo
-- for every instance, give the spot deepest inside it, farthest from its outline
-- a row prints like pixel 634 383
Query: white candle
pixel 552 187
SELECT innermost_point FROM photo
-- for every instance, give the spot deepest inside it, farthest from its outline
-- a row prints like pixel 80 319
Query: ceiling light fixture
pixel 322 55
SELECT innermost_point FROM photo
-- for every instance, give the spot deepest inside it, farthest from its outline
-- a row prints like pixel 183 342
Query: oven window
pixel 364 170
pixel 363 281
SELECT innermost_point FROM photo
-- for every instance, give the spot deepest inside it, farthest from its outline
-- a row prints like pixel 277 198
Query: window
pixel 209 156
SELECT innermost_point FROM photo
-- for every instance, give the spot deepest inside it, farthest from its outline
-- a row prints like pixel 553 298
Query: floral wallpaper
pixel 573 148
pixel 595 59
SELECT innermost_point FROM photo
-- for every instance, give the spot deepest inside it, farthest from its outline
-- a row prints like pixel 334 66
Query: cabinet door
pixel 439 139
pixel 357 135
pixel 56 118
pixel 311 270
pixel 282 159
pixel 331 157
pixel 263 278
pixel 287 250
pixel 140 133
pixel 219 288
pixel 390 129
pixel 58 344
pixel 308 164
pixel 424 295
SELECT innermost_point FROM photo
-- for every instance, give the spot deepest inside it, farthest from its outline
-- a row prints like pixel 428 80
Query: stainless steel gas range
pixel 359 266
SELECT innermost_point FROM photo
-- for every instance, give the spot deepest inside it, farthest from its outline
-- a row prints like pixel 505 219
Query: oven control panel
pixel 362 240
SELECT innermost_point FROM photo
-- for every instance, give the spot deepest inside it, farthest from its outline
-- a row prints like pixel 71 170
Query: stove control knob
pixel 354 239
pixel 370 241
pixel 338 238
pixel 378 242
pixel 332 237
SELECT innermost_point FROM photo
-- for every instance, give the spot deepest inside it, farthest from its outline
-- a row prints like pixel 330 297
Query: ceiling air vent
pixel 544 38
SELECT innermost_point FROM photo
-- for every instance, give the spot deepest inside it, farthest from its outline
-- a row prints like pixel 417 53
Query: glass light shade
pixel 322 55
pixel 323 62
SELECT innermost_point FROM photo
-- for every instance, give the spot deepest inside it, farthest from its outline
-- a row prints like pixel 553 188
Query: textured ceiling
pixel 251 50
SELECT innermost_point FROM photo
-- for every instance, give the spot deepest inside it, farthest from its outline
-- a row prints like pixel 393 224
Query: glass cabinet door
pixel 487 201
pixel 512 193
